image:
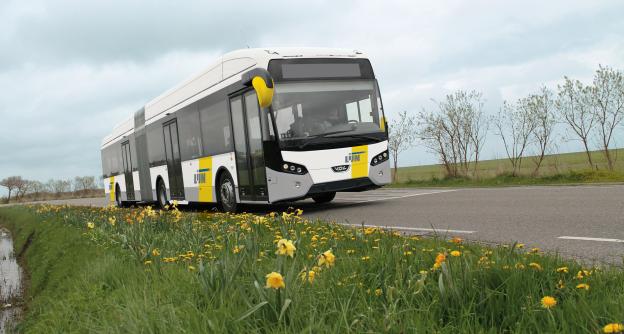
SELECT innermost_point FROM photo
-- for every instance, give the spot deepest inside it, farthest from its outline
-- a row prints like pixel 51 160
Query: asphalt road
pixel 585 222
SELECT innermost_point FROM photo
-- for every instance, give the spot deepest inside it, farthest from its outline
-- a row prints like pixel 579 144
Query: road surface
pixel 585 222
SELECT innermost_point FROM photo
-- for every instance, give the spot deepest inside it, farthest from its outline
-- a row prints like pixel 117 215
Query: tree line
pixel 456 130
pixel 19 188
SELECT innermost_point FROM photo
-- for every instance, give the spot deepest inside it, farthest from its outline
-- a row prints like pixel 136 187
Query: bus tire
pixel 118 202
pixel 324 198
pixel 226 195
pixel 161 194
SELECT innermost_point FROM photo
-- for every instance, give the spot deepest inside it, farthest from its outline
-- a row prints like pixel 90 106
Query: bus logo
pixel 341 168
pixel 200 176
pixel 353 157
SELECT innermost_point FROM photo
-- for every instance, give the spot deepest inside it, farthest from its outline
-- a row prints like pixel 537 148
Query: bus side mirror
pixel 262 83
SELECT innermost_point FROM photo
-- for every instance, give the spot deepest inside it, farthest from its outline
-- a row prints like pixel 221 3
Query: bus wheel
pixel 161 195
pixel 324 198
pixel 118 201
pixel 225 195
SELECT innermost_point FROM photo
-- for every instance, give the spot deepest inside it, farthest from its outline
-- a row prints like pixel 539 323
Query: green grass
pixel 556 169
pixel 173 272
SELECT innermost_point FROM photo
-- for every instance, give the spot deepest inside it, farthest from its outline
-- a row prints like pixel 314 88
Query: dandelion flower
pixel 90 225
pixel 613 328
pixel 155 252
pixel 583 286
pixel 455 253
pixel 286 247
pixel 275 280
pixel 327 258
pixel 535 266
pixel 562 270
pixel 548 302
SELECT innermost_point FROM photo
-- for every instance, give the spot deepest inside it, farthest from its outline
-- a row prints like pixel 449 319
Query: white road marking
pixel 590 239
pixel 355 200
pixel 418 229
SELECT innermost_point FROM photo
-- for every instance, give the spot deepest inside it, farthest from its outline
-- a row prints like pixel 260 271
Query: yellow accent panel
pixel 205 184
pixel 111 187
pixel 265 94
pixel 359 161
pixel 382 123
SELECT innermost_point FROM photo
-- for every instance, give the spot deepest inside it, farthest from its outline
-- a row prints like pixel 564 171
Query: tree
pixel 574 105
pixel 11 183
pixel 59 186
pixel 515 124
pixel 608 97
pixel 542 109
pixel 401 137
pixel 84 183
pixel 36 188
pixel 22 188
pixel 456 131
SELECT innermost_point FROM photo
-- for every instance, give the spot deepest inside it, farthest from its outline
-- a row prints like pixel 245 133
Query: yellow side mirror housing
pixel 261 81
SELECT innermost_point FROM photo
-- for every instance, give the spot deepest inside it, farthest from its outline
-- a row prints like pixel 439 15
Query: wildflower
pixel 275 281
pixel 309 275
pixel 298 212
pixel 378 292
pixel 519 246
pixel 440 258
pixel 236 249
pixel 535 266
pixel 562 270
pixel 582 274
pixel 519 266
pixel 613 328
pixel 155 252
pixel 90 225
pixel 174 203
pixel 191 268
pixel 583 286
pixel 407 253
pixel 350 251
pixel 548 302
pixel 286 247
pixel 327 258
pixel 534 250
pixel 455 253
pixel 560 285
pixel 457 240
pixel 147 263
pixel 365 258
pixel 112 220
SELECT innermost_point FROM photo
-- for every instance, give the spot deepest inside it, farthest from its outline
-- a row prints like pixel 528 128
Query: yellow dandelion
pixel 147 263
pixel 327 258
pixel 275 280
pixel 535 266
pixel 90 225
pixel 548 302
pixel 562 270
pixel 155 252
pixel 583 286
pixel 191 268
pixel 613 328
pixel 455 253
pixel 378 292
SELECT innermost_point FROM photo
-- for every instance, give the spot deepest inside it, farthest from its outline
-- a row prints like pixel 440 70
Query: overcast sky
pixel 70 70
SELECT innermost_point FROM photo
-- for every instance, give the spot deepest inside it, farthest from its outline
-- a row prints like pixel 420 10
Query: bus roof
pixel 224 68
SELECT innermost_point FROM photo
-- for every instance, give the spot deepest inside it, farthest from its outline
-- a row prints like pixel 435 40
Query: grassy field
pixel 138 270
pixel 556 169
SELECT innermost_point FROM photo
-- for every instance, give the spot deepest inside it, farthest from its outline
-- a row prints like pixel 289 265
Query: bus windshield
pixel 307 109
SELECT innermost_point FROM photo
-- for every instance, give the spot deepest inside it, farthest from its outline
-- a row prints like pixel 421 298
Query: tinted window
pixel 190 133
pixel 215 128
pixel 155 143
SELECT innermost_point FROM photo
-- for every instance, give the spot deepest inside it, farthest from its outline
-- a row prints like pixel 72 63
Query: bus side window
pixel 215 128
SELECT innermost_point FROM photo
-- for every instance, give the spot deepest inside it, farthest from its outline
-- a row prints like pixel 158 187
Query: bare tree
pixel 36 188
pixel 574 105
pixel 11 183
pixel 84 183
pixel 402 137
pixel 59 186
pixel 23 186
pixel 542 108
pixel 608 97
pixel 515 124
pixel 456 131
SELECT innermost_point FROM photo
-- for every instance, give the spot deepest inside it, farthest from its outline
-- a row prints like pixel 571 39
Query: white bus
pixel 257 126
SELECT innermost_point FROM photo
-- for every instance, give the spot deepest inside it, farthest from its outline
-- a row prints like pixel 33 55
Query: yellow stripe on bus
pixel 205 186
pixel 382 123
pixel 111 187
pixel 359 161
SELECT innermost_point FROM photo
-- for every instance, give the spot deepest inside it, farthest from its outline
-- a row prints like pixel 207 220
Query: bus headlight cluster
pixel 379 158
pixel 292 168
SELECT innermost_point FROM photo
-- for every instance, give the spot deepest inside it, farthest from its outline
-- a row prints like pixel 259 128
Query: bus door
pixel 127 167
pixel 252 185
pixel 174 163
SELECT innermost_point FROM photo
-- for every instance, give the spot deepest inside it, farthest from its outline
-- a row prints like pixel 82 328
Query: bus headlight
pixel 293 168
pixel 379 158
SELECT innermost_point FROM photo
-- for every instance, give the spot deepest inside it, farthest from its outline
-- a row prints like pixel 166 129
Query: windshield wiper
pixel 355 135
pixel 319 136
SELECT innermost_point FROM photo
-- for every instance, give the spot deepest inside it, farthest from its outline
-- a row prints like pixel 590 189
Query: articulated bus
pixel 257 126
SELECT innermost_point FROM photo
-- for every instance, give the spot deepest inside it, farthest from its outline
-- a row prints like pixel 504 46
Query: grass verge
pixel 506 179
pixel 138 270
